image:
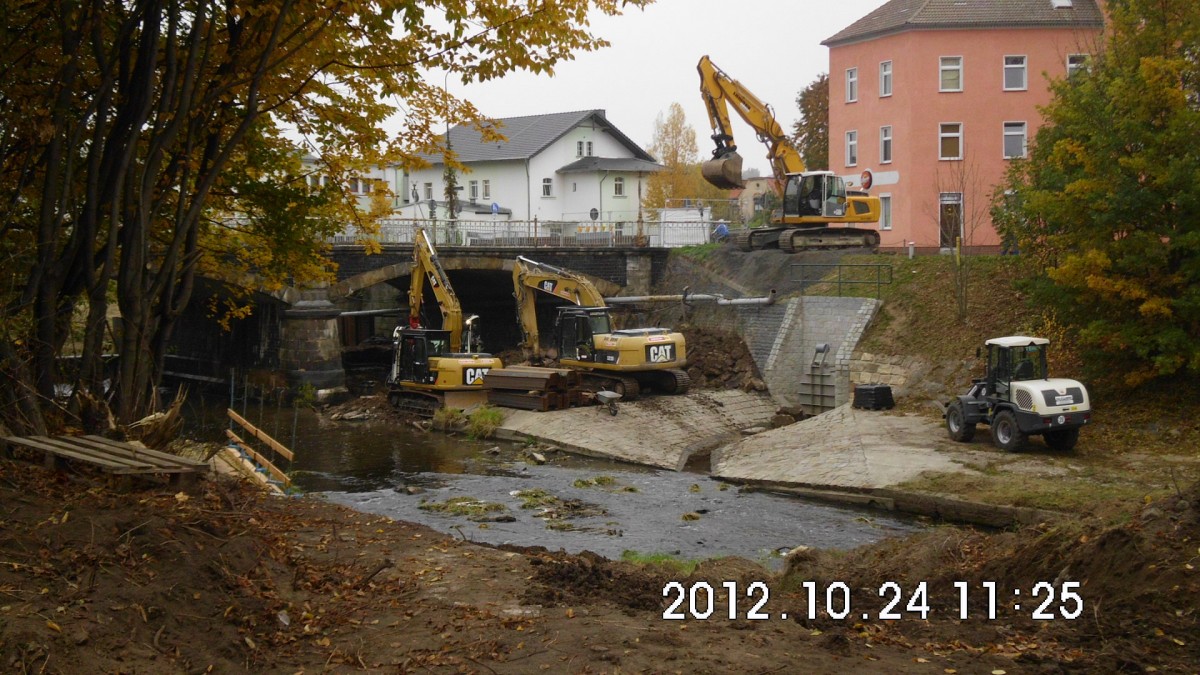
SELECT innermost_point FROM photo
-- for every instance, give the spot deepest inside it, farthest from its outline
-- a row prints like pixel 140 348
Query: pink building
pixel 931 99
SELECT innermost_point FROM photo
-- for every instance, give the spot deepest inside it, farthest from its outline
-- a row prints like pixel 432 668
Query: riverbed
pixel 505 495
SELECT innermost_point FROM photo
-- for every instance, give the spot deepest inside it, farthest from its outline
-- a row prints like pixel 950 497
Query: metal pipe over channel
pixel 690 298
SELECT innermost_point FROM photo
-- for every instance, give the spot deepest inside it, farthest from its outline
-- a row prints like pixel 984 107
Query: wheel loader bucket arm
pixel 427 267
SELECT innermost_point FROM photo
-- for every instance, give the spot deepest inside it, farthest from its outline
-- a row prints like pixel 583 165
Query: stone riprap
pixel 661 431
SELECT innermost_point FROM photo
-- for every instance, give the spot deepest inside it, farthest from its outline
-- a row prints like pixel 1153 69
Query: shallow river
pixel 382 467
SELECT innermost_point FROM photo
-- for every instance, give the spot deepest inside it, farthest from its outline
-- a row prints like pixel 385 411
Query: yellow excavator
pixel 812 200
pixel 621 361
pixel 429 368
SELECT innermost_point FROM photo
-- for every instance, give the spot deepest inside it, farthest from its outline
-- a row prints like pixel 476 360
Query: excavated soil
pixel 719 360
pixel 220 578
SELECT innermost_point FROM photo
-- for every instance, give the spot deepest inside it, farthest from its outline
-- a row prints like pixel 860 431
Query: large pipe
pixel 689 298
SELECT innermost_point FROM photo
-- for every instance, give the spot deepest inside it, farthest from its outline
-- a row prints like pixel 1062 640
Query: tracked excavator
pixel 813 201
pixel 621 361
pixel 430 370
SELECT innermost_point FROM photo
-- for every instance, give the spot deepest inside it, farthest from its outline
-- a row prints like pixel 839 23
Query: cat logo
pixel 660 353
pixel 549 285
pixel 474 375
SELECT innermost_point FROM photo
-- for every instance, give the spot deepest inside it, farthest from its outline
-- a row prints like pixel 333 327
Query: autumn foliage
pixel 144 143
pixel 1109 200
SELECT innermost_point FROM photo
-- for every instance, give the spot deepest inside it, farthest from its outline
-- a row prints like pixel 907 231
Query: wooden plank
pixel 65 452
pixel 262 436
pixel 262 461
pixel 141 454
pixel 68 443
pixel 246 468
pixel 145 452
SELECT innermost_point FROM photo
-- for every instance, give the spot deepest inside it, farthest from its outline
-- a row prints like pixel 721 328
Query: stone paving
pixel 846 448
pixel 661 431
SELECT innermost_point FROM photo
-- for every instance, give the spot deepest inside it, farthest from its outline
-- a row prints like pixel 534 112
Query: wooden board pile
pixel 534 388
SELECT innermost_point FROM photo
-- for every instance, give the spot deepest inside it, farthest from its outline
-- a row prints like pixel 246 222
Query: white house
pixel 571 167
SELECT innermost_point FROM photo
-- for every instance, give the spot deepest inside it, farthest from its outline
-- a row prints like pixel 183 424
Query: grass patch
pixel 692 515
pixel 680 566
pixel 1086 494
pixel 483 422
pixel 598 481
pixel 536 498
pixel 447 419
pixel 698 252
pixel 462 506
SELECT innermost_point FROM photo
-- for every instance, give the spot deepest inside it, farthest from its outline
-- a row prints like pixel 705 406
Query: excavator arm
pixel 720 92
pixel 426 266
pixel 528 276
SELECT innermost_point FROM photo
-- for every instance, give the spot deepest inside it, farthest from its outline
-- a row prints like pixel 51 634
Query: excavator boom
pixel 530 275
pixel 720 92
pixel 426 266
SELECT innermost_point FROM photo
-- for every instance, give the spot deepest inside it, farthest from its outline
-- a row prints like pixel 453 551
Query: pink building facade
pixel 931 100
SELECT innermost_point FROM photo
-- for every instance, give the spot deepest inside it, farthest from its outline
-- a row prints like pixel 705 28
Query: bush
pixel 484 421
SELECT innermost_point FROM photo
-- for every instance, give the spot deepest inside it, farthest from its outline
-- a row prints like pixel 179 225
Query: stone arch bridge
pixel 311 325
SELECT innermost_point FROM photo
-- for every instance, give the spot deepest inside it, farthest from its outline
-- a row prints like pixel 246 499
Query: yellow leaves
pixel 1156 307
pixel 53 626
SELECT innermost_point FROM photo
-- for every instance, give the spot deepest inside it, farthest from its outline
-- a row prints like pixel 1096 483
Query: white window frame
pixel 885 143
pixel 852 148
pixel 589 148
pixel 1023 68
pixel 428 191
pixel 943 134
pixel 579 148
pixel 619 186
pixel 851 85
pixel 885 211
pixel 547 187
pixel 1082 59
pixel 487 188
pixel 1023 134
pixel 943 68
pixel 885 79
pixel 473 190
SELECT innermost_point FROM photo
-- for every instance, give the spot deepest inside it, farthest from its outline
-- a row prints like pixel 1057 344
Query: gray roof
pixel 527 136
pixel 901 15
pixel 631 164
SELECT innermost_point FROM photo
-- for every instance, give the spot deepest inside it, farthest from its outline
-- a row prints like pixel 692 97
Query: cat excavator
pixel 621 361
pixel 429 368
pixel 812 200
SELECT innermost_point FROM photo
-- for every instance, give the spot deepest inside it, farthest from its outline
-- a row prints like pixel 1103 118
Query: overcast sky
pixel 773 47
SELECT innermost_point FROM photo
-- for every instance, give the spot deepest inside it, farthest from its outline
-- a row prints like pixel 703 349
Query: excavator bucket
pixel 724 172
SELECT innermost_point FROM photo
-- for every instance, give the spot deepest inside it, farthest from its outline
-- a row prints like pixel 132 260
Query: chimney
pixel 1062 4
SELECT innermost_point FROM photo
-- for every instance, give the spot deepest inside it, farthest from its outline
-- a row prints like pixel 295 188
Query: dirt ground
pixel 220 578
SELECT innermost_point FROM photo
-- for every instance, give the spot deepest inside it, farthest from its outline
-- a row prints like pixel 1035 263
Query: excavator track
pixel 810 239
pixel 674 381
pixel 416 403
pixel 742 240
pixel 627 387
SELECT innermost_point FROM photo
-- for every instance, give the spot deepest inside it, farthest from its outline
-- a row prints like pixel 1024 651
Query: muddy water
pixel 384 467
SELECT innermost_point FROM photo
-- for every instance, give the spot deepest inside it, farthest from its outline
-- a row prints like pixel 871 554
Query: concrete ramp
pixel 662 431
pixel 843 448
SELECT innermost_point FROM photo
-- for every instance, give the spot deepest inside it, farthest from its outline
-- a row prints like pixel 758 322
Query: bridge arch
pixel 358 282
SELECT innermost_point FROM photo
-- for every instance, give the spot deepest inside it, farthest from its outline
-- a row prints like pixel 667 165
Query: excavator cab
pixel 414 348
pixel 820 194
pixel 575 331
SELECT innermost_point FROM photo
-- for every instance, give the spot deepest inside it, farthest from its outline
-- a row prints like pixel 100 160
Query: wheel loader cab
pixel 576 328
pixel 1008 364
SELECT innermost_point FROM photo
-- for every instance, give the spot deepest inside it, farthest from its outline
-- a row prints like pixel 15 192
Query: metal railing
pixel 843 275
pixel 537 234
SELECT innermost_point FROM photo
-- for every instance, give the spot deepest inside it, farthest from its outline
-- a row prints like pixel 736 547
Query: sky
pixel 773 47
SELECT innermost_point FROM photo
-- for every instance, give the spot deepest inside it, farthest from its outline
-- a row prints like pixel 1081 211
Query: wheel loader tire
pixel 1006 434
pixel 1063 440
pixel 955 424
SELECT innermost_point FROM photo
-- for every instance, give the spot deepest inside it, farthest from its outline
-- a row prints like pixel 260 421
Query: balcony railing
pixel 538 234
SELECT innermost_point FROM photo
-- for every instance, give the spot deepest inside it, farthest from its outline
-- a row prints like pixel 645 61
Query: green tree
pixel 144 142
pixel 1109 200
pixel 810 134
pixel 674 145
